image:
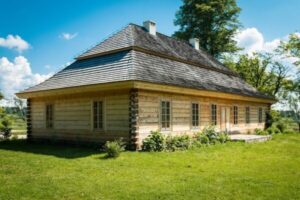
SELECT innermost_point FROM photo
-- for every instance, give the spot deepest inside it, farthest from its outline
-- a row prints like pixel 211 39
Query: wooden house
pixel 138 81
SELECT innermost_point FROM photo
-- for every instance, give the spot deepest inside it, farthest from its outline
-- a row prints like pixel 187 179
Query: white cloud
pixel 16 75
pixel 68 36
pixel 253 41
pixel 14 42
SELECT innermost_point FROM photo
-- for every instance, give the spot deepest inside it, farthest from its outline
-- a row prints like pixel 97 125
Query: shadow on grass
pixel 57 150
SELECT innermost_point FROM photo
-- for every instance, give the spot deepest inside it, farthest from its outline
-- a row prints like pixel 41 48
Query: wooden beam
pixel 127 85
pixel 197 92
pixel 133 119
pixel 28 117
pixel 104 87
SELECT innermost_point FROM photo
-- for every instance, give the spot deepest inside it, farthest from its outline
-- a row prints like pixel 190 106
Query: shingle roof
pixel 137 65
pixel 134 35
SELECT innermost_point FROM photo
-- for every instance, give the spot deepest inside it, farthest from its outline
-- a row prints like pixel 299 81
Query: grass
pixel 268 170
pixel 18 126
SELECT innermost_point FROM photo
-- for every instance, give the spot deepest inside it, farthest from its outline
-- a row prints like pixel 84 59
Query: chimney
pixel 150 26
pixel 195 43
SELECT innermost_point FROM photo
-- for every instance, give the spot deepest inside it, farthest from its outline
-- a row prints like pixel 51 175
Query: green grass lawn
pixel 269 170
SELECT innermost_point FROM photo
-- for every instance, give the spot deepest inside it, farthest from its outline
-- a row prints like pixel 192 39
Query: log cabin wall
pixel 132 115
pixel 181 108
pixel 73 118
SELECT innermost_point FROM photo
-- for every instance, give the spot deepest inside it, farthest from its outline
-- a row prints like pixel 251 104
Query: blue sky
pixel 41 25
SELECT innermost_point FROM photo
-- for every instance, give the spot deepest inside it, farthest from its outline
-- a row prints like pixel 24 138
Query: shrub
pixel 272 130
pixel 202 138
pixel 5 126
pixel 113 149
pixel 211 133
pixel 181 142
pixel 223 137
pixel 196 143
pixel 281 125
pixel 154 142
pixel 258 131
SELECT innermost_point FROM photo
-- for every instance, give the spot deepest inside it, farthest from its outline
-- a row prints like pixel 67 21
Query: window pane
pixel 195 114
pixel 214 114
pixel 235 115
pixel 165 114
pixel 98 115
pixel 260 115
pixel 247 115
pixel 49 116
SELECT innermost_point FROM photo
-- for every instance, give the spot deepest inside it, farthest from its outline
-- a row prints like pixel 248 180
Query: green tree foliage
pixel 291 48
pixel 1 96
pixel 20 107
pixel 293 99
pixel 5 126
pixel 262 72
pixel 214 22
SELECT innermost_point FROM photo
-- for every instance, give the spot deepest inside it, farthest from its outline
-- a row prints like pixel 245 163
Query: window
pixel 165 115
pixel 235 114
pixel 195 115
pixel 98 115
pixel 260 113
pixel 49 116
pixel 214 114
pixel 247 115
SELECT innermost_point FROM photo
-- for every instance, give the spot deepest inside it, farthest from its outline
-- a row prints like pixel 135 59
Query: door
pixel 225 119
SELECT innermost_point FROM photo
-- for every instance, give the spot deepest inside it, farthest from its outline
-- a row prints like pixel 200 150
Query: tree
pixel 291 48
pixel 21 107
pixel 214 22
pixel 5 126
pixel 262 72
pixel 294 103
pixel 1 109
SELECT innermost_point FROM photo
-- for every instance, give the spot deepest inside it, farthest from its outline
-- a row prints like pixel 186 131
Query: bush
pixel 272 130
pixel 258 131
pixel 202 138
pixel 211 133
pixel 182 142
pixel 5 126
pixel 196 143
pixel 223 137
pixel 154 142
pixel 281 125
pixel 157 142
pixel 113 149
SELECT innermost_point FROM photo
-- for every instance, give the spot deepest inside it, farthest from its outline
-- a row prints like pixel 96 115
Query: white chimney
pixel 195 43
pixel 150 26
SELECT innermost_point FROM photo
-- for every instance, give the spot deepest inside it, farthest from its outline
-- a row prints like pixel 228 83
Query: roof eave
pixel 200 92
pixel 127 85
pixel 113 86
